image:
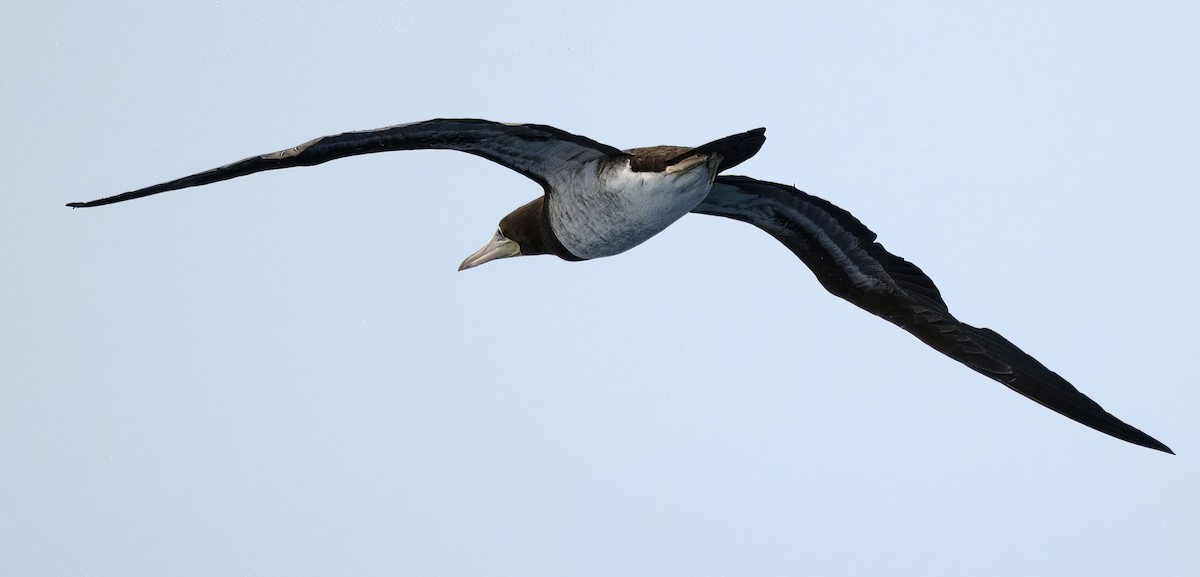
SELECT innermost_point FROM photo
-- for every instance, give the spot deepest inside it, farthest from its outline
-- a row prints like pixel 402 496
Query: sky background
pixel 285 375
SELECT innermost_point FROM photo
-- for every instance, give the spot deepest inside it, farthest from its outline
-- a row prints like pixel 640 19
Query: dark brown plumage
pixel 529 227
pixel 838 248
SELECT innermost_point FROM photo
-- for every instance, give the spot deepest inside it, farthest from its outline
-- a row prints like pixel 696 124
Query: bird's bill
pixel 499 247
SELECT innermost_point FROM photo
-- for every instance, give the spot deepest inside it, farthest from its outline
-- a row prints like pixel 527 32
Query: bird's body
pixel 599 201
pixel 611 208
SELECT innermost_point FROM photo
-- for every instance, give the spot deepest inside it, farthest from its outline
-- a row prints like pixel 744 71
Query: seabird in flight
pixel 600 201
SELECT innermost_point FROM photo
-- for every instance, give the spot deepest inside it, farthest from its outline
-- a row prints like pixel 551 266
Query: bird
pixel 599 201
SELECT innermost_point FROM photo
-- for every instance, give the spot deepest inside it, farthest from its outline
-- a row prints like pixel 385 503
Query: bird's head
pixel 524 232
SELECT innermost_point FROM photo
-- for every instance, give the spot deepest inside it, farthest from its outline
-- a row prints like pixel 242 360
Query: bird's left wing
pixel 844 256
pixel 536 151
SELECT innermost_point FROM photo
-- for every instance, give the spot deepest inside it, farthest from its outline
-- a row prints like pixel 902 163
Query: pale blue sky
pixel 284 374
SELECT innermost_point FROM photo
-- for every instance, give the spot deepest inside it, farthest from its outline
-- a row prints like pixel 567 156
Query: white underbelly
pixel 619 209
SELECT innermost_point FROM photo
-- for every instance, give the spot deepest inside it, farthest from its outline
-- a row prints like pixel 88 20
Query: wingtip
pixel 1142 439
pixel 97 202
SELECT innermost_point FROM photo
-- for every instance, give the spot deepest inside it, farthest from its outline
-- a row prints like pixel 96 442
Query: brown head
pixel 524 232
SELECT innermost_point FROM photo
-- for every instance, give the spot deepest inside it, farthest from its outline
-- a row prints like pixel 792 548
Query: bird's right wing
pixel 536 151
pixel 844 256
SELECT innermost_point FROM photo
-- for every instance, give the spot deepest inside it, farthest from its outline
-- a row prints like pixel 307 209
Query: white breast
pixel 607 209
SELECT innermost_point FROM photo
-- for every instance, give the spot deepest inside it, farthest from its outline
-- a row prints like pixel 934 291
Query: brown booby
pixel 600 201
